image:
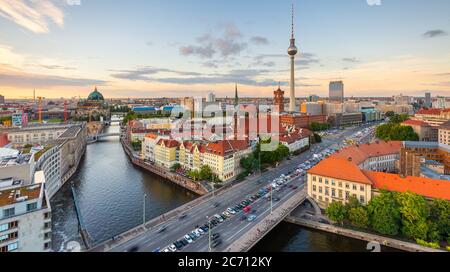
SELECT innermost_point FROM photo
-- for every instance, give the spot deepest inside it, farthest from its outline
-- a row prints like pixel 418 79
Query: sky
pixel 177 48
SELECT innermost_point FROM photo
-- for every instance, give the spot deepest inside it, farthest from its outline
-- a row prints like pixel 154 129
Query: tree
pixel 317 138
pixel 205 173
pixel 390 114
pixel 337 212
pixel 194 174
pixel 175 167
pixel 358 217
pixel 384 214
pixel 414 213
pixel 314 126
pixel 439 220
pixel 396 132
pixel 398 118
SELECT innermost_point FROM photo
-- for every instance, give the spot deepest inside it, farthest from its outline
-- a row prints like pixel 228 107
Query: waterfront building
pixel 150 142
pixel 339 179
pixel 425 131
pixel 25 217
pixel 16 165
pixel 336 92
pixel 35 135
pixel 166 153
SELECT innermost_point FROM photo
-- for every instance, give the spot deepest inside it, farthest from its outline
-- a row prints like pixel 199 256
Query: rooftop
pixel 415 123
pixel 427 187
pixel 418 144
pixel 339 168
pixel 15 195
pixel 360 153
pixel 70 132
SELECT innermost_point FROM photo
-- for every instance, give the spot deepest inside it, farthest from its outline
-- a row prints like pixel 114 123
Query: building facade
pixel 336 92
pixel 25 218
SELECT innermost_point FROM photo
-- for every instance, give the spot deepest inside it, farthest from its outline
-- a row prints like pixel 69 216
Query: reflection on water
pixel 111 192
pixel 292 238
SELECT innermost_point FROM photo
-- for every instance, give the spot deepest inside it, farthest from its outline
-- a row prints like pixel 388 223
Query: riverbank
pixel 385 241
pixel 182 181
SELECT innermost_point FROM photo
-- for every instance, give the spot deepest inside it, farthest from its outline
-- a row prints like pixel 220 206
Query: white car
pixel 172 248
pixel 200 231
pixel 230 210
pixel 188 239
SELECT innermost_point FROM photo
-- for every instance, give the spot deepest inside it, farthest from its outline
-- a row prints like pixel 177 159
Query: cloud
pixel 31 14
pixel 145 73
pixel 56 67
pixel 442 74
pixel 305 60
pixel 210 64
pixel 434 33
pixel 258 40
pixel 227 45
pixel 352 60
pixel 253 77
pixel 28 80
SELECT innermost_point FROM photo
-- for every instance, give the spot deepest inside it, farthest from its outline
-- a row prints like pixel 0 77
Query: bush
pixel 428 244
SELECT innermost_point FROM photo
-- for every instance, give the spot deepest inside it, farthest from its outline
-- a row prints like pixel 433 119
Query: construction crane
pixel 40 109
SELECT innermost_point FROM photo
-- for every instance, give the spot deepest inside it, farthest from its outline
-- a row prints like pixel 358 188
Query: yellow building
pixel 338 179
pixel 166 153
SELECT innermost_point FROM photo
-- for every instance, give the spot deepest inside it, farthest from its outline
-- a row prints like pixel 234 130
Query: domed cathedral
pixel 93 107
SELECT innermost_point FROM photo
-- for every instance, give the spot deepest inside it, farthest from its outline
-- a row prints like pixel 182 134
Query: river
pixel 111 198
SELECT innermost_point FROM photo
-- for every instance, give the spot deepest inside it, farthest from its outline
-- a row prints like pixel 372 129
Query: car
pixel 133 249
pixel 162 229
pixel 227 214
pixel 295 188
pixel 219 218
pixel 215 236
pixel 192 236
pixel 251 218
pixel 217 204
pixel 276 199
pixel 172 248
pixel 231 211
pixel 200 231
pixel 157 250
pixel 166 250
pixel 183 216
pixel 178 245
pixel 243 218
pixel 184 242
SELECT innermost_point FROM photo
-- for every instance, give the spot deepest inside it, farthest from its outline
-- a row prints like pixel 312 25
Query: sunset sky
pixel 175 48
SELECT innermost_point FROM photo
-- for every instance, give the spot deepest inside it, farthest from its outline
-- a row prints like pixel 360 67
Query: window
pixel 362 188
pixel 340 193
pixel 362 199
pixel 4 238
pixel 320 189
pixel 326 181
pixel 320 180
pixel 47 246
pixel 13 247
pixel 347 186
pixel 340 184
pixel 327 191
pixel 314 188
pixel 333 192
pixel 32 206
pixel 4 227
pixel 47 225
pixel 347 195
pixel 9 212
pixel 355 187
pixel 333 182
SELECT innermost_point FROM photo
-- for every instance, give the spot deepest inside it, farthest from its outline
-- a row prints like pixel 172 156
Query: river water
pixel 111 192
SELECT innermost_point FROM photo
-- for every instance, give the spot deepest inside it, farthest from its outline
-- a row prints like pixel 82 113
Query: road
pixel 232 228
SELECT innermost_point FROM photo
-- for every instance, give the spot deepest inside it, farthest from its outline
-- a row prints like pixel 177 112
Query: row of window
pixel 8 237
pixel 8 226
pixel 10 248
pixel 362 188
pixel 12 211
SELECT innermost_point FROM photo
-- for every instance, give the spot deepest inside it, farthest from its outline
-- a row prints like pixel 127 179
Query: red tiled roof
pixel 297 135
pixel 169 143
pixel 426 187
pixel 430 111
pixel 415 123
pixel 360 153
pixel 340 168
pixel 222 148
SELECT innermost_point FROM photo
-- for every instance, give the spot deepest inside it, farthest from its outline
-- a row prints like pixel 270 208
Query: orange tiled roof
pixel 415 123
pixel 430 111
pixel 340 168
pixel 222 148
pixel 430 188
pixel 360 153
pixel 169 143
pixel 153 136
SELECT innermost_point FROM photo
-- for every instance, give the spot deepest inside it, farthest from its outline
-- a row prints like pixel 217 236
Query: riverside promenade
pixel 195 187
pixel 385 241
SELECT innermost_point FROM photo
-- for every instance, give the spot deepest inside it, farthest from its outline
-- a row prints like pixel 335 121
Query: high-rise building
pixel 336 91
pixel 2 99
pixel 402 100
pixel 292 51
pixel 211 97
pixel 279 100
pixel 313 98
pixel 236 96
pixel 428 102
pixel 440 103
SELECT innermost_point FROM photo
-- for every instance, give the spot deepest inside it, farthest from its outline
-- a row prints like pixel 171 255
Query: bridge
pixel 237 234
pixel 95 138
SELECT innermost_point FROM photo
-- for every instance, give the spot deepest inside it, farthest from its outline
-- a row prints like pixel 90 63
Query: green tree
pixel 396 132
pixel 358 217
pixel 337 212
pixel 205 173
pixel 390 114
pixel 398 118
pixel 314 126
pixel 317 138
pixel 194 174
pixel 175 167
pixel 414 213
pixel 439 220
pixel 384 214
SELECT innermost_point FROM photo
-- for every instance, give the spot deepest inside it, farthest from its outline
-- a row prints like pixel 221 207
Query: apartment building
pixel 166 153
pixel 426 132
pixel 150 142
pixel 25 217
pixel 433 117
pixel 14 164
pixel 296 140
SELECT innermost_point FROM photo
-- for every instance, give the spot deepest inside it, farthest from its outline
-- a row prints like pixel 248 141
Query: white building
pixel 15 165
pixel 25 217
pixel 297 140
pixel 149 143
pixel 211 98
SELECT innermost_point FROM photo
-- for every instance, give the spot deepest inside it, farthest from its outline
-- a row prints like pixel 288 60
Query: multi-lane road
pixel 232 228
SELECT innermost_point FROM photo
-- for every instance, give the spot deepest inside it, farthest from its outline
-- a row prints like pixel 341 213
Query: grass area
pixel 38 155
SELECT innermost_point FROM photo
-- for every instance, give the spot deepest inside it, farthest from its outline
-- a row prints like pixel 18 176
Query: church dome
pixel 96 96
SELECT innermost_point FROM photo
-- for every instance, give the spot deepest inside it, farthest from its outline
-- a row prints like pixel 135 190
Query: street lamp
pixel 143 215
pixel 271 200
pixel 209 233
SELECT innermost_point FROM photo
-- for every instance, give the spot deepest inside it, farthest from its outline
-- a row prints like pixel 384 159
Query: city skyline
pixel 168 48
